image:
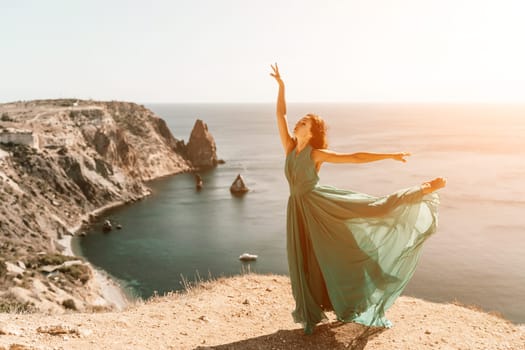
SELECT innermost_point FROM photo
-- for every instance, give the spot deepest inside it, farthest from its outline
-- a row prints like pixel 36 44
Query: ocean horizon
pixel 475 257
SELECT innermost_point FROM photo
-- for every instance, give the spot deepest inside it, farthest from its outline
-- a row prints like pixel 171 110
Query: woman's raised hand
pixel 400 156
pixel 275 73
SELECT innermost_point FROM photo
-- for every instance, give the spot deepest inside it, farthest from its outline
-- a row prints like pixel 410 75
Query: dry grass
pixel 10 304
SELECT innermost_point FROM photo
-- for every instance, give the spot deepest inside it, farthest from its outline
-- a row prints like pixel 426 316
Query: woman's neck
pixel 301 144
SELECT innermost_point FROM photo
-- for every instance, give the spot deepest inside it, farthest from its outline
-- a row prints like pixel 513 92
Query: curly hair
pixel 318 130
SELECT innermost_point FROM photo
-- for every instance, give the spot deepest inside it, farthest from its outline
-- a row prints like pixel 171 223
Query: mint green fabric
pixel 350 252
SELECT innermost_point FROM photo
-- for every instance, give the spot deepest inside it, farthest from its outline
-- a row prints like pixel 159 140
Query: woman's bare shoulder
pixel 319 154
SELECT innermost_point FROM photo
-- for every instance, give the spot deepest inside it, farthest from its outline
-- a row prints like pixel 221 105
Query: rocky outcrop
pixel 201 149
pixel 86 155
pixel 17 136
pixel 238 186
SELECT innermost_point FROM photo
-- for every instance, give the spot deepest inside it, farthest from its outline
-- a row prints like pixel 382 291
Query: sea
pixel 178 235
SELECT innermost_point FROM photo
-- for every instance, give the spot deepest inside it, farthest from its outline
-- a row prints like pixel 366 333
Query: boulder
pixel 13 269
pixel 65 264
pixel 106 227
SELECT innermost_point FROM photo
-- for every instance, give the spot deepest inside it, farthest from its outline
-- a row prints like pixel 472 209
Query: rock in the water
pixel 201 149
pixel 248 257
pixel 106 227
pixel 238 186
pixel 198 182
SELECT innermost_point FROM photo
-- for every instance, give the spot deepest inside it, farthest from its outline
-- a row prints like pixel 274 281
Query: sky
pixel 221 50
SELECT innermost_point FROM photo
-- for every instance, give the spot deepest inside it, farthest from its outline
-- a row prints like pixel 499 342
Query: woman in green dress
pixel 348 252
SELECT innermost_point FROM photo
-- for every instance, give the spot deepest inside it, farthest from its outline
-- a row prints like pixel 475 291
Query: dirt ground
pixel 254 312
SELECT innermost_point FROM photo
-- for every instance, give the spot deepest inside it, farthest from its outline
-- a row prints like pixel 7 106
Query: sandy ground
pixel 253 312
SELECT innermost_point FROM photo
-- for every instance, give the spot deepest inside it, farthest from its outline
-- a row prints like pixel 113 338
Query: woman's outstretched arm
pixel 324 155
pixel 282 123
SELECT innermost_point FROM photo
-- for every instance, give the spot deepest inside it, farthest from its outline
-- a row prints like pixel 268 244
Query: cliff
pixel 254 312
pixel 59 161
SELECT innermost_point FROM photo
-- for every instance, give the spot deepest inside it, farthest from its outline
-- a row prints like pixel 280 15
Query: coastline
pixel 96 155
pixel 113 293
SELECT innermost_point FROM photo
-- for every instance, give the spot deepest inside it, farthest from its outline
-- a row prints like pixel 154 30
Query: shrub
pixel 9 304
pixel 69 304
pixel 77 273
pixel 51 259
pixel 6 117
pixel 3 269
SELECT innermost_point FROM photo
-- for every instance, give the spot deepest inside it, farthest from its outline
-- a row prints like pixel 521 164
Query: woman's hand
pixel 276 74
pixel 400 156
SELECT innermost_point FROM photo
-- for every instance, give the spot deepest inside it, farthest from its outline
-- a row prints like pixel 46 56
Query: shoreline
pixel 112 292
pixel 42 142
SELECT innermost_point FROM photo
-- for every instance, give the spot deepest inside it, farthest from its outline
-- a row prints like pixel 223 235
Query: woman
pixel 348 252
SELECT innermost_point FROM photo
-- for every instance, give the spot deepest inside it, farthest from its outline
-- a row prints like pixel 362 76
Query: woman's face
pixel 303 128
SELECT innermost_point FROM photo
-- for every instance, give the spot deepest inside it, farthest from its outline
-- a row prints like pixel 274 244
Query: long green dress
pixel 350 252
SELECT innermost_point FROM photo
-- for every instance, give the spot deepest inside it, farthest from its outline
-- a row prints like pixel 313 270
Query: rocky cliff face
pixel 87 155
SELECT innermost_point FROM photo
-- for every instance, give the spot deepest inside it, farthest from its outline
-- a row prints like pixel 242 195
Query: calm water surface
pixel 476 257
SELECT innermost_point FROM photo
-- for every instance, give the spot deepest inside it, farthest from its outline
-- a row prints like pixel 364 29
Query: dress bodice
pixel 300 171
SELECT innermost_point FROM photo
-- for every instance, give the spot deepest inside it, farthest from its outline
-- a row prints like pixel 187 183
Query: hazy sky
pixel 221 51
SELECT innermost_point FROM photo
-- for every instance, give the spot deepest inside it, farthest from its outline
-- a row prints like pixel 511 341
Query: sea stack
pixel 201 150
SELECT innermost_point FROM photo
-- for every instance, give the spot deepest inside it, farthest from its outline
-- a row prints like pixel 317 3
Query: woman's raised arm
pixel 282 123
